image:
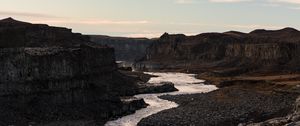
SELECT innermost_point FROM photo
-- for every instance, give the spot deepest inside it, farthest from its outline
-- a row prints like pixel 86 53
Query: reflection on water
pixel 185 83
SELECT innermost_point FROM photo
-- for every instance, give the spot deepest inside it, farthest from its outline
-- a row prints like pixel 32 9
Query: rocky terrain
pixel 224 107
pixel 127 49
pixel 257 73
pixel 292 119
pixel 259 50
pixel 244 100
pixel 50 74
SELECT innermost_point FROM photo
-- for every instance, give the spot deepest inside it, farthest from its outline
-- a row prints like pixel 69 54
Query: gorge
pixel 257 73
pixel 51 76
pixel 276 49
pixel 185 83
pixel 127 49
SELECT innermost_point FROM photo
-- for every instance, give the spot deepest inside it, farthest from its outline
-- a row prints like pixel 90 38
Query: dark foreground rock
pixel 50 74
pixel 162 87
pixel 224 107
pixel 139 77
pixel 131 104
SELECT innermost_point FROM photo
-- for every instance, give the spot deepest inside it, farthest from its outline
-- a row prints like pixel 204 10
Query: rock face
pixel 156 88
pixel 260 49
pixel 127 49
pixel 51 74
pixel 21 34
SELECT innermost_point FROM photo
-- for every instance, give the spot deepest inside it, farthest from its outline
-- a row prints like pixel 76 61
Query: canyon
pixel 127 49
pixel 259 50
pixel 50 74
pixel 257 74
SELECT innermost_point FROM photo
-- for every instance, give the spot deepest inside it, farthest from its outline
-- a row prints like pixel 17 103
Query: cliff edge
pixel 259 50
pixel 51 74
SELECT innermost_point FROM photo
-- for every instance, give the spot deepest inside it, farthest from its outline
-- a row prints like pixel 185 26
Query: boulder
pixel 149 88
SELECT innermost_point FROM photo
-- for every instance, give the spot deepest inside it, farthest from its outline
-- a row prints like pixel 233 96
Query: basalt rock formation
pixel 51 74
pixel 157 88
pixel 127 49
pixel 258 50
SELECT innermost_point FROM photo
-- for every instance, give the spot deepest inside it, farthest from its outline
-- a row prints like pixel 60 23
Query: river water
pixel 185 83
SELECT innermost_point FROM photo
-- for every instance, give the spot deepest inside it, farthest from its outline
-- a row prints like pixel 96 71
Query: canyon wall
pixel 51 74
pixel 127 49
pixel 259 49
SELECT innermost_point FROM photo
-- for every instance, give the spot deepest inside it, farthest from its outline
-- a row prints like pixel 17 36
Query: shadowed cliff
pixel 260 50
pixel 51 74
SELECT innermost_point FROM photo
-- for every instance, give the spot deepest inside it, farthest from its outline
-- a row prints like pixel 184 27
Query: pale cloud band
pixel 25 14
pixel 287 1
pixel 237 1
pixel 50 19
pixel 91 22
pixel 213 1
pixel 184 1
pixel 228 1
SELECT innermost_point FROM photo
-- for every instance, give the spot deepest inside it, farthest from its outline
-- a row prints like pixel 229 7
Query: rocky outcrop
pixel 51 74
pixel 149 88
pixel 127 49
pixel 21 34
pixel 131 104
pixel 260 49
pixel 243 65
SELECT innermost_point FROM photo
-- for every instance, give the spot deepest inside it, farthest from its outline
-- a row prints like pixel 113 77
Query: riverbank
pixel 224 107
pixel 185 83
pixel 240 99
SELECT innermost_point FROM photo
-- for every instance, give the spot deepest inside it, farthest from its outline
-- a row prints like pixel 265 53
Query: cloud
pixel 184 1
pixel 289 4
pixel 25 14
pixel 286 1
pixel 120 22
pixel 253 26
pixel 234 26
pixel 51 19
pixel 213 1
pixel 92 22
pixel 270 5
pixel 228 1
pixel 294 8
pixel 188 24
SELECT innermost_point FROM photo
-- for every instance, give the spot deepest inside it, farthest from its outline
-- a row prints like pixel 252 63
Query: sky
pixel 151 18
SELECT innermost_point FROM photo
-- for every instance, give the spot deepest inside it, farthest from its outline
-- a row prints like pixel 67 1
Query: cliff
pixel 127 49
pixel 260 50
pixel 51 74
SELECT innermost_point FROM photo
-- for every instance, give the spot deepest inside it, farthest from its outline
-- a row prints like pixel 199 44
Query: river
pixel 185 83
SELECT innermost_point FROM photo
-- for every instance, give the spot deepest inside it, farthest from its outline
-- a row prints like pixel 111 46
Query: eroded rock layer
pixel 51 74
pixel 260 49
